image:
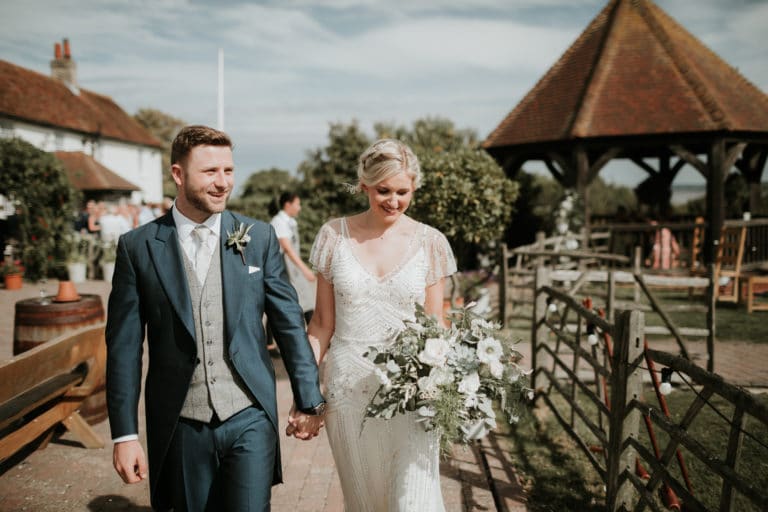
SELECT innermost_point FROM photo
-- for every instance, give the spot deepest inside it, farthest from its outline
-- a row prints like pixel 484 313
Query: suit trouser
pixel 223 466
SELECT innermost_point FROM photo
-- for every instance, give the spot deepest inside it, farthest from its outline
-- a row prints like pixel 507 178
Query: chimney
pixel 64 69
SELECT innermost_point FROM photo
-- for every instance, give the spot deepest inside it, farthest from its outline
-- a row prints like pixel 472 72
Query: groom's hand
pixel 303 426
pixel 129 461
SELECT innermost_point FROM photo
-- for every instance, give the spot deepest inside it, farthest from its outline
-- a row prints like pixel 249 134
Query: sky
pixel 292 67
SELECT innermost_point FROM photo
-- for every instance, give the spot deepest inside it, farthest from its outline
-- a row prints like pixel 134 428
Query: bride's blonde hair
pixel 384 159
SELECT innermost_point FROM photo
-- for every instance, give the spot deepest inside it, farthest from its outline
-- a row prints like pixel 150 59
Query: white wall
pixel 141 165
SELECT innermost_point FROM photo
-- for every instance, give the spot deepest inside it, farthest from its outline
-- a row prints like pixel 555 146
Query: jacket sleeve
pixel 287 321
pixel 124 336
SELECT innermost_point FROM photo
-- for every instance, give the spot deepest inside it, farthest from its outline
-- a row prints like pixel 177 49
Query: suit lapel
pixel 169 264
pixel 233 275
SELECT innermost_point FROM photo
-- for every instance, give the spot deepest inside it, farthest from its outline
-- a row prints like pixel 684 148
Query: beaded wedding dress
pixel 384 465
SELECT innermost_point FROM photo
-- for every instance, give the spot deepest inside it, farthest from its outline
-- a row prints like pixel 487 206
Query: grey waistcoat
pixel 215 385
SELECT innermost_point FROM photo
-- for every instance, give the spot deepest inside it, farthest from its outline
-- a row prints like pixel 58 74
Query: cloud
pixel 293 66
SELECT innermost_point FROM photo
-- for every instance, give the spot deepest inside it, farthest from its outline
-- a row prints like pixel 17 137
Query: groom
pixel 199 294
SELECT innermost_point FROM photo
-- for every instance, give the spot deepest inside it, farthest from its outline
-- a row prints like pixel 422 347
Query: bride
pixel 373 268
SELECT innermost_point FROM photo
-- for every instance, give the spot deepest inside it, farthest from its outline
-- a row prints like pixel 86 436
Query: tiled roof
pixel 634 71
pixel 36 98
pixel 85 173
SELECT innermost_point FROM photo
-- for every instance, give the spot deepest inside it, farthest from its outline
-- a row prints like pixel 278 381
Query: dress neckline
pixel 397 268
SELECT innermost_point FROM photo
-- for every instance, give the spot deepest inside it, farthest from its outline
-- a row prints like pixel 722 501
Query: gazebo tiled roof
pixel 39 99
pixel 634 71
pixel 87 174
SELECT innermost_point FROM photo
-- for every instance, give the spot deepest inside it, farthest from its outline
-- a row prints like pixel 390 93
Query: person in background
pixel 301 276
pixel 113 224
pixel 146 215
pixel 95 211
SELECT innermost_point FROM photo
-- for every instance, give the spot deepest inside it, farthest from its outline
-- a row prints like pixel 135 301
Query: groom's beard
pixel 201 201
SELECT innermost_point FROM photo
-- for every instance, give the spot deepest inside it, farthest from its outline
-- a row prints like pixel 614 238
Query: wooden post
pixel 503 277
pixel 711 316
pixel 735 441
pixel 610 303
pixel 626 385
pixel 637 266
pixel 539 330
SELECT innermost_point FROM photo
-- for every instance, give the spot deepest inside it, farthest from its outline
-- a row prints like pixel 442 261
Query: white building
pixel 55 114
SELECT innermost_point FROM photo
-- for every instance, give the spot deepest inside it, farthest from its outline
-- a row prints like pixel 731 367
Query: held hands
pixel 129 461
pixel 303 426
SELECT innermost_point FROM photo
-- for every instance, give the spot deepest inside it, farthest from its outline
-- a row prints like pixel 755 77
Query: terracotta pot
pixel 67 292
pixel 13 282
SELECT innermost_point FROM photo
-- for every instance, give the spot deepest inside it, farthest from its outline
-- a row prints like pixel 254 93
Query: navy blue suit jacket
pixel 150 296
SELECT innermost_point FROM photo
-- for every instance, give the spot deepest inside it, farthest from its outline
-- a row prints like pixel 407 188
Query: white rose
pixel 489 349
pixel 435 352
pixel 470 384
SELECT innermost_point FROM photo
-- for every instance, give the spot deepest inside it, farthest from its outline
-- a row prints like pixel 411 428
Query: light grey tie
pixel 203 252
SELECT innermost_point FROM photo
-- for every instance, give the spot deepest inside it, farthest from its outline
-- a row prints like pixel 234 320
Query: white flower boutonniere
pixel 240 238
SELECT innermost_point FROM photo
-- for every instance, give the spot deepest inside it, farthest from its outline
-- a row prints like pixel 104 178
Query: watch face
pixel 320 409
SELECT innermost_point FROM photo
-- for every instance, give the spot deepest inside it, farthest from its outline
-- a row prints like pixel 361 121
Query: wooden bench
pixel 46 386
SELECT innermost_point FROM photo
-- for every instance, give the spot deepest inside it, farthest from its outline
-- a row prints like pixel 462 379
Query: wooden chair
pixel 46 386
pixel 730 253
pixel 753 282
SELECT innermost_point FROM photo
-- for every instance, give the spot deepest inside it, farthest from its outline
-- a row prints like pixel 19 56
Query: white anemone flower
pixel 489 349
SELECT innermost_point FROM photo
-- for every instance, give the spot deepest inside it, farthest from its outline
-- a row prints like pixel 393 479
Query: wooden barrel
pixel 35 323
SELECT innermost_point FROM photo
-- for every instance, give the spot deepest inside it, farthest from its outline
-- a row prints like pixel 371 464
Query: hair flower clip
pixel 240 238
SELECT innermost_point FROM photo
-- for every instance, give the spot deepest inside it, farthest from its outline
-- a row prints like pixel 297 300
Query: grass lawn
pixel 558 476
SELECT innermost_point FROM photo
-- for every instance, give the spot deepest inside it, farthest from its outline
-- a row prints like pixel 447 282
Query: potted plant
pixel 108 256
pixel 77 260
pixel 12 273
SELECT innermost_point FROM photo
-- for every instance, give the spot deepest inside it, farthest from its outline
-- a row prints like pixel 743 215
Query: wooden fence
pixel 597 370
pixel 585 268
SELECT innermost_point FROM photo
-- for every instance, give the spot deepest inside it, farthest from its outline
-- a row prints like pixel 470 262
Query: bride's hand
pixel 303 426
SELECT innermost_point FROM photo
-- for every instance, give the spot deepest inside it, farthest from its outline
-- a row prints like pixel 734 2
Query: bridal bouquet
pixel 451 376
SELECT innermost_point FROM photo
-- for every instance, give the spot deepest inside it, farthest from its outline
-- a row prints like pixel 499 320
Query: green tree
pixel 261 192
pixel 466 195
pixel 46 205
pixel 326 175
pixel 164 127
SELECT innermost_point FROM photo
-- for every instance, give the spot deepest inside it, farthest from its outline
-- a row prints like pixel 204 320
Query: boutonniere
pixel 240 238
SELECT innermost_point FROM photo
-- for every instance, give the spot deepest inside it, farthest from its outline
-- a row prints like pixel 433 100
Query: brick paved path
pixel 66 477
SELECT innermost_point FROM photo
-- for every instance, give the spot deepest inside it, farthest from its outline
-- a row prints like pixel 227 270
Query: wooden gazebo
pixel 636 85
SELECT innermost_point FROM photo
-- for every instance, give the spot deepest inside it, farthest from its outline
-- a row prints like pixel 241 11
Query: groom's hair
pixel 196 135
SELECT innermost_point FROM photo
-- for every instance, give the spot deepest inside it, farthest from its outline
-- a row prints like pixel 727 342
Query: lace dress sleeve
pixel 439 256
pixel 321 255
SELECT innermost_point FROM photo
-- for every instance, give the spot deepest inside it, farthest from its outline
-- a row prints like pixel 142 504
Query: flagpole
pixel 221 91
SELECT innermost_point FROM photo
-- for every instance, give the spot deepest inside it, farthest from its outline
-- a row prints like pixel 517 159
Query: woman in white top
pixel 301 276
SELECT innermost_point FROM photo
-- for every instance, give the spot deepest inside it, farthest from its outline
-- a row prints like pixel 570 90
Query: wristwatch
pixel 317 410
